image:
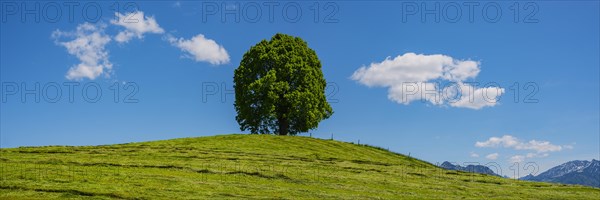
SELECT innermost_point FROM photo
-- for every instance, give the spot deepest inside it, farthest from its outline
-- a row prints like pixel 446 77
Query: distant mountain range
pixel 469 168
pixel 581 172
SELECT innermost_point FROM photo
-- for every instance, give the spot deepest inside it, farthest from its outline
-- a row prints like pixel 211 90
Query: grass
pixel 249 167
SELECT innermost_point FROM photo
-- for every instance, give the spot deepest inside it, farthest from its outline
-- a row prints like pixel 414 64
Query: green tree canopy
pixel 280 88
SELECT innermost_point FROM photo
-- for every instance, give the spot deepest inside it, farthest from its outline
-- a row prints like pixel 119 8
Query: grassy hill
pixel 249 166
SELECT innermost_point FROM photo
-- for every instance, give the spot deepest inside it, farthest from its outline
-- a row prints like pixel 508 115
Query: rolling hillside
pixel 249 166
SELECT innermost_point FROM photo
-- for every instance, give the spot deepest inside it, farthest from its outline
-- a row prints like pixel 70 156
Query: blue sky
pixel 174 69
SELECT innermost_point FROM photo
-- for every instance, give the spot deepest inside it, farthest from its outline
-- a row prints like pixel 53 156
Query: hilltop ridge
pixel 249 166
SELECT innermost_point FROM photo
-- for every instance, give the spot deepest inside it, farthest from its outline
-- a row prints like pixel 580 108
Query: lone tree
pixel 280 88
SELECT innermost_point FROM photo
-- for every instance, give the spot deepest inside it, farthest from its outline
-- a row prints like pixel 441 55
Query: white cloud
pixel 474 155
pixel 539 146
pixel 539 149
pixel 411 91
pixel 516 159
pixel 477 98
pixel 411 77
pixel 509 141
pixel 177 4
pixel 88 45
pixel 412 67
pixel 536 155
pixel 530 155
pixel 492 156
pixel 201 49
pixel 521 158
pixel 506 141
pixel 461 70
pixel 136 25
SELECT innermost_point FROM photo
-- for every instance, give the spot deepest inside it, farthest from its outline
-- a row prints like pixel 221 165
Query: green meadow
pixel 249 167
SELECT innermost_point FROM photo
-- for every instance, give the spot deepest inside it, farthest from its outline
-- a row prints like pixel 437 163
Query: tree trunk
pixel 284 125
pixel 282 116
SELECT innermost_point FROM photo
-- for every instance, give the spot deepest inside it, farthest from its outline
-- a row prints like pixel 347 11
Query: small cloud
pixel 536 155
pixel 136 25
pixel 474 155
pixel 492 156
pixel 516 159
pixel 506 141
pixel 540 148
pixel 509 141
pixel 201 49
pixel 177 4
pixel 88 45
pixel 477 98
